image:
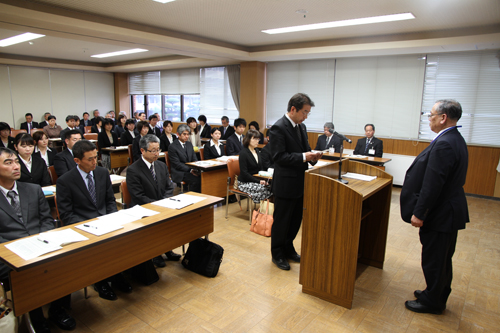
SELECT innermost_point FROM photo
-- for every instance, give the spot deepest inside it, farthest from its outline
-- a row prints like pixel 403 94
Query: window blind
pixel 144 83
pixel 215 95
pixel 180 81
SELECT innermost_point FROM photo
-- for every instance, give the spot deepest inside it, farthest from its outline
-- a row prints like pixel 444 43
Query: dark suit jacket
pixel 63 162
pixel 334 142
pixel 249 166
pixel 289 168
pixel 233 145
pixel 89 123
pixel 43 124
pixel 229 132
pixel 267 157
pixel 10 143
pixel 206 131
pixel 141 185
pixel 126 138
pixel 36 214
pixel 119 130
pixel 73 198
pixel 375 143
pixel 39 174
pixel 164 142
pixel 178 157
pixel 94 129
pixel 51 154
pixel 103 140
pixel 210 152
pixel 63 132
pixel 156 131
pixel 34 124
pixel 433 187
pixel 136 149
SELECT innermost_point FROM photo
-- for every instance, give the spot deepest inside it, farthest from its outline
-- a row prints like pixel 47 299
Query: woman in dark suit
pixel 120 128
pixel 167 137
pixel 255 126
pixel 97 128
pixel 107 138
pixel 42 149
pixel 213 148
pixel 6 140
pixel 33 168
pixel 250 164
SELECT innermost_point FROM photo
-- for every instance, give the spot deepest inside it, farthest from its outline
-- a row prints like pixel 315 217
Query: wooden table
pixel 118 156
pixel 213 176
pixel 375 161
pixel 49 277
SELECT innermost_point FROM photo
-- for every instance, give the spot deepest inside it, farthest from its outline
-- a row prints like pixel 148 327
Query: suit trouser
pixel 193 182
pixel 437 253
pixel 287 219
pixel 37 316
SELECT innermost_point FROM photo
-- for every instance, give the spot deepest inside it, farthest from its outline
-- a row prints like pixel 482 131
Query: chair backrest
pixel 167 160
pixel 34 130
pixel 233 169
pixel 126 198
pixel 88 129
pixel 130 155
pixel 14 132
pixel 90 136
pixel 53 174
pixel 265 140
pixel 57 210
pixel 201 150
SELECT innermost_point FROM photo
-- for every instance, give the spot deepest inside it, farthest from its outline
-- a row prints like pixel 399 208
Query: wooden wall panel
pixel 122 98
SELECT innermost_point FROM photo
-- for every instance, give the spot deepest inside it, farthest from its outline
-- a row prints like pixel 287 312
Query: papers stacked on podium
pixel 179 201
pixel 359 176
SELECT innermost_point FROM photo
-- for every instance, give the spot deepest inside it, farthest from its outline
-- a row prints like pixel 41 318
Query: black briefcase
pixel 203 257
pixel 145 273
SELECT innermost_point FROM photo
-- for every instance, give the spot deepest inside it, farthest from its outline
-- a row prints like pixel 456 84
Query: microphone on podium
pixel 341 136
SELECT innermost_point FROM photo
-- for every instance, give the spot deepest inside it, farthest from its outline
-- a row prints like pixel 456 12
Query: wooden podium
pixel 342 225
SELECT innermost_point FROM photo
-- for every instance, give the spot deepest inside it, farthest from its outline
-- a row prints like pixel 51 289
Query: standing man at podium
pixel 433 199
pixel 291 152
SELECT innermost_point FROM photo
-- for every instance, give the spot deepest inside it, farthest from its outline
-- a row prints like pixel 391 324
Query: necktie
pixel 328 140
pixel 297 129
pixel 15 204
pixel 29 128
pixel 91 186
pixel 224 131
pixel 153 173
pixel 241 140
pixel 367 143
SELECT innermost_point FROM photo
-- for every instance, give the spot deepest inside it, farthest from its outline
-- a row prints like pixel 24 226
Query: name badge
pixel 371 151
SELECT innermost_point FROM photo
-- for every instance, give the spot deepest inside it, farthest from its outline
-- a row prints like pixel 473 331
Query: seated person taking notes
pixel 235 142
pixel 369 146
pixel 181 152
pixel 214 148
pixel 328 140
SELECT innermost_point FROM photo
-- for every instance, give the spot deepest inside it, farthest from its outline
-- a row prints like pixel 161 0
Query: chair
pixel 167 159
pixel 87 129
pixel 90 136
pixel 53 174
pixel 130 155
pixel 34 130
pixel 233 169
pixel 126 198
pixel 14 132
pixel 201 150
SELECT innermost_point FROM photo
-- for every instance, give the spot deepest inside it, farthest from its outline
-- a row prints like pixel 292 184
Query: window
pixel 215 95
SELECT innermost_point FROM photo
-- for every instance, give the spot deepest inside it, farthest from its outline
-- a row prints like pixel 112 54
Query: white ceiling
pixel 188 33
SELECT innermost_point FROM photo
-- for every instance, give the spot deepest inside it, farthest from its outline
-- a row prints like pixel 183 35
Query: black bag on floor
pixel 145 273
pixel 203 257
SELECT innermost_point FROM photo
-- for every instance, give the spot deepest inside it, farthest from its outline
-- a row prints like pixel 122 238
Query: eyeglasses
pixel 432 115
pixel 154 151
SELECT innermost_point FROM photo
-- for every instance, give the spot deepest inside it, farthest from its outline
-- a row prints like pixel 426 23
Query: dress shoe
pixel 41 326
pixel 417 293
pixel 105 291
pixel 62 319
pixel 173 256
pixel 119 282
pixel 282 263
pixel 159 262
pixel 416 306
pixel 294 257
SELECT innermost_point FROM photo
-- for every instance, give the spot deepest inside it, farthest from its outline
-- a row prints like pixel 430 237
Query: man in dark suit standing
pixel 85 193
pixel 328 140
pixel 234 143
pixel 291 152
pixel 29 124
pixel 369 146
pixel 204 129
pixel 24 211
pixel 181 152
pixel 64 161
pixel 148 180
pixel 433 199
pixel 226 130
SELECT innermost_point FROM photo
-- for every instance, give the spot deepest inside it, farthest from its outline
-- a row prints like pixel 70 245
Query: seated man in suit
pixel 235 142
pixel 181 152
pixel 71 123
pixel 328 140
pixel 96 114
pixel 85 121
pixel 153 120
pixel 29 124
pixel 148 180
pixel 369 146
pixel 24 211
pixel 46 121
pixel 85 193
pixel 226 130
pixel 64 161
pixel 204 129
pixel 127 137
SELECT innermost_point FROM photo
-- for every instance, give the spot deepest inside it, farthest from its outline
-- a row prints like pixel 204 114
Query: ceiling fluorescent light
pixel 163 1
pixel 118 53
pixel 344 23
pixel 19 39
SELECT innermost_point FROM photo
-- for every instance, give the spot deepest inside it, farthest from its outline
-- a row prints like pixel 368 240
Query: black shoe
pixel 173 256
pixel 41 326
pixel 417 293
pixel 282 263
pixel 121 284
pixel 416 306
pixel 159 262
pixel 105 291
pixel 294 257
pixel 62 319
pixel 232 199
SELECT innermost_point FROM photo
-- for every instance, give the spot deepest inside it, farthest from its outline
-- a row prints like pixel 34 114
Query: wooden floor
pixel 250 294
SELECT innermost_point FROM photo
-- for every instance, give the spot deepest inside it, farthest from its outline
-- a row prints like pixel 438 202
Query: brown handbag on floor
pixel 262 223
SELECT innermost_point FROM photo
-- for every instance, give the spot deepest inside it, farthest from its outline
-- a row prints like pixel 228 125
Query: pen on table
pixel 90 226
pixel 43 240
pixel 174 199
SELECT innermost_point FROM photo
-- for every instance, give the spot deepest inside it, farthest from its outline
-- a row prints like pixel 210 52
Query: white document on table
pixel 359 176
pixel 225 158
pixel 179 201
pixel 99 227
pixel 31 247
pixel 125 216
pixel 61 237
pixel 49 188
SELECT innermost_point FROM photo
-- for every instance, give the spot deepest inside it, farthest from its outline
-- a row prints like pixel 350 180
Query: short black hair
pixel 69 133
pixel 153 116
pixel 212 131
pixel 140 125
pixel 240 121
pixel 70 117
pixel 4 126
pixel 24 139
pixel 38 135
pixel 119 120
pixel 8 151
pixel 202 118
pixel 107 121
pixel 254 124
pixel 98 120
pixel 373 126
pixel 129 121
pixel 85 113
pixel 189 121
pixel 249 136
pixel 449 107
pixel 141 113
pixel 166 123
pixel 29 114
pixel 81 147
pixel 51 117
pixel 76 118
pixel 298 100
